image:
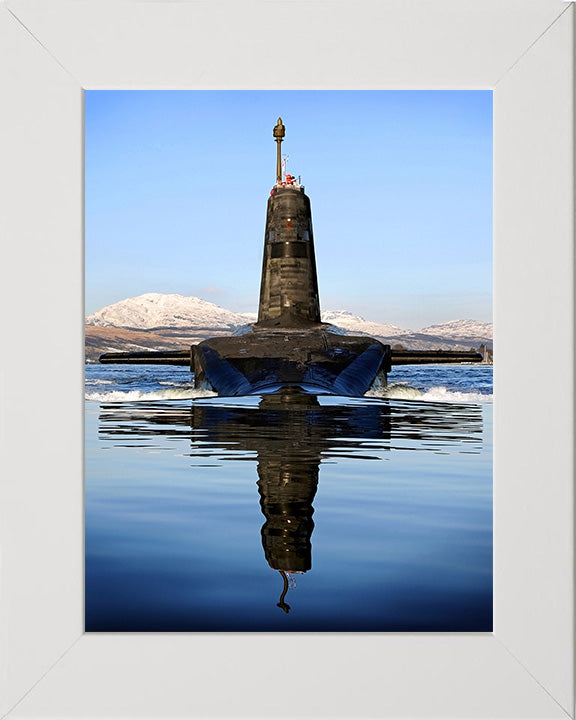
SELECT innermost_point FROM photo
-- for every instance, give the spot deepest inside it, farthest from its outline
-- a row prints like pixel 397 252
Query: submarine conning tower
pixel 289 286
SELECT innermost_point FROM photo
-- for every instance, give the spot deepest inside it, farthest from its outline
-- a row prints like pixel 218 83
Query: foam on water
pixel 395 391
pixel 135 395
pixel 174 384
pixel 439 384
pixel 403 391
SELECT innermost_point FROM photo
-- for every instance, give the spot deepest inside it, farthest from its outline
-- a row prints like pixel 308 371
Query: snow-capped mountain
pixel 156 310
pixel 348 321
pixel 458 329
pixel 162 321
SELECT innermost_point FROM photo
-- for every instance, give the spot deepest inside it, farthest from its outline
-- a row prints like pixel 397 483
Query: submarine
pixel 289 348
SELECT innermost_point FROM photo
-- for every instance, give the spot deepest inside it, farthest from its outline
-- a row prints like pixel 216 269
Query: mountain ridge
pixel 170 321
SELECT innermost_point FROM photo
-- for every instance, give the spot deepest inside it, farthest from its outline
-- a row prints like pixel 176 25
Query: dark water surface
pixel 288 513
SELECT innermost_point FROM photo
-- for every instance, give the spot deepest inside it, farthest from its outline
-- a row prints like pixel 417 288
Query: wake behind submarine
pixel 289 347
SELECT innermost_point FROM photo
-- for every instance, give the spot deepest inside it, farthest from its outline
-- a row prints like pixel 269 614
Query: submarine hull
pixel 313 360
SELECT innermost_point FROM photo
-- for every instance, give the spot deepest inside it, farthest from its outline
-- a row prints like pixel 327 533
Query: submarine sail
pixel 289 286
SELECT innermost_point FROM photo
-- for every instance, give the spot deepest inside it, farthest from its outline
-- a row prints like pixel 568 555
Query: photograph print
pixel 288 379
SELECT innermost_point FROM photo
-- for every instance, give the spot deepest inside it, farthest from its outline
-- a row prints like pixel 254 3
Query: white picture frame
pixel 54 49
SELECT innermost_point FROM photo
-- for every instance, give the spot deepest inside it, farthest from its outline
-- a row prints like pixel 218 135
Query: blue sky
pixel 400 184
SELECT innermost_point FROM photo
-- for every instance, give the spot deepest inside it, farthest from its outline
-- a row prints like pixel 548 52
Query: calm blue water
pixel 288 513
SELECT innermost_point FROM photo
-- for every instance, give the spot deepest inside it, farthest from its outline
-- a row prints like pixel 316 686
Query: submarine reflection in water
pixel 287 483
pixel 290 434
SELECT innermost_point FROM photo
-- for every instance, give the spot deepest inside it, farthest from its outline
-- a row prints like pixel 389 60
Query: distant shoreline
pixel 101 339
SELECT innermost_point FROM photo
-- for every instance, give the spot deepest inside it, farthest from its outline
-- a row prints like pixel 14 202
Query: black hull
pixel 314 361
